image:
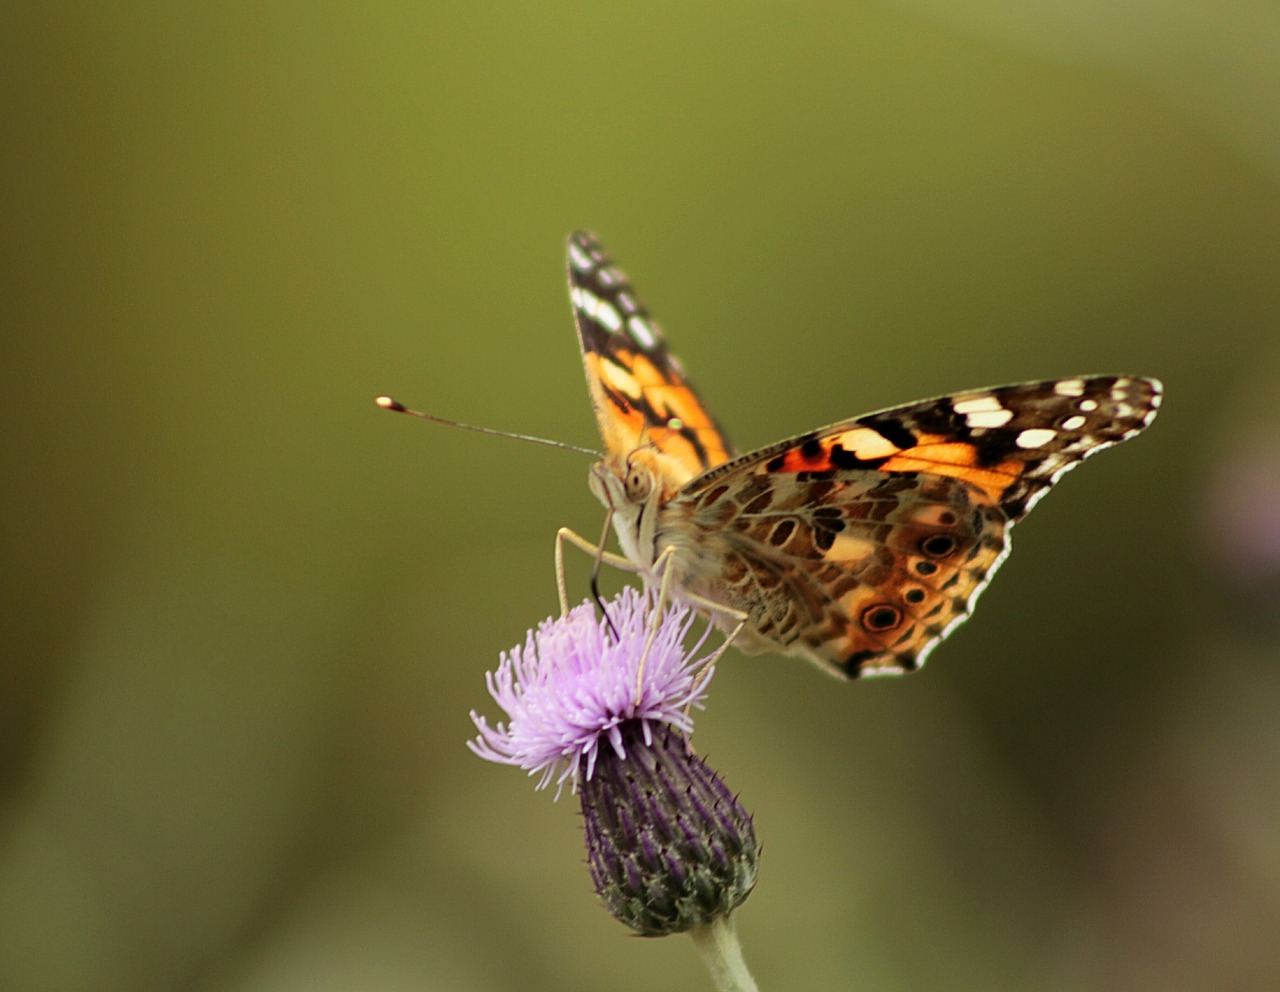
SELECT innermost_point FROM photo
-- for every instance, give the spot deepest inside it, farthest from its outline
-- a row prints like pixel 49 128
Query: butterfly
pixel 858 546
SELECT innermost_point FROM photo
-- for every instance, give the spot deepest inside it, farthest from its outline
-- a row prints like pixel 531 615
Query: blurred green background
pixel 247 613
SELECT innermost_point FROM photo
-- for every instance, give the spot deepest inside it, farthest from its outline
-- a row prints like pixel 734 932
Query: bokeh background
pixel 246 613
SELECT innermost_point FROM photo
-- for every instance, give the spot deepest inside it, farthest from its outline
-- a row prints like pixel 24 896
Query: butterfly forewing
pixel 639 391
pixel 1014 442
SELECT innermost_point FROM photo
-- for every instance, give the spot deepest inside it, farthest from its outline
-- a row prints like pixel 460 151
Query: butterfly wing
pixel 863 544
pixel 638 389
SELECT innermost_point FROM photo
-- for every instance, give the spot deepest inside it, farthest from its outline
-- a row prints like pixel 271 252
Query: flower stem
pixel 717 942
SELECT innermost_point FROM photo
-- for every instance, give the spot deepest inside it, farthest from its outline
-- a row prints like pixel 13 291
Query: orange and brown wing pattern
pixel 640 393
pixel 1014 442
pixel 861 572
pixel 863 544
pixel 1009 442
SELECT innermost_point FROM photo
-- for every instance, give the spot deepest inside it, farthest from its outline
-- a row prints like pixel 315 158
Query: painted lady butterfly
pixel 859 545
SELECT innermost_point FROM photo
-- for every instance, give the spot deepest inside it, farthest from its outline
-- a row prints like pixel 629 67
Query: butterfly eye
pixel 639 483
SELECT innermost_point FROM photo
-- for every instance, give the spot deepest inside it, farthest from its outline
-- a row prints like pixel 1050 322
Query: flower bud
pixel 669 846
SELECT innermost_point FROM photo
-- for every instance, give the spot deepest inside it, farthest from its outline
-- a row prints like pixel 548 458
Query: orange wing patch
pixel 959 460
pixel 866 448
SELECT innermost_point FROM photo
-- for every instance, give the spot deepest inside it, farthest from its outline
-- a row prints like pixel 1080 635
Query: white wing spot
pixel 607 314
pixel 1069 387
pixel 1035 437
pixel 1088 406
pixel 983 410
pixel 988 418
pixel 578 258
pixel 982 403
pixel 1074 423
pixel 642 332
pixel 595 308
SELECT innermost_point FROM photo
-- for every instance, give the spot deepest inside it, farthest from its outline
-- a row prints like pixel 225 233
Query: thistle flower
pixel 577 682
pixel 669 847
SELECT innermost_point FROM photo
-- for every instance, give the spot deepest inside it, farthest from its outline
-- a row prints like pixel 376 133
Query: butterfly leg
pixel 709 606
pixel 663 567
pixel 596 551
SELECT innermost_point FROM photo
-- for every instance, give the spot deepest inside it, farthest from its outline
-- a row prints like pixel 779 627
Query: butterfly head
pixel 630 486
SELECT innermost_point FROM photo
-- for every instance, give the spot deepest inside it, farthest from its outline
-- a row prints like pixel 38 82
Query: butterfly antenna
pixel 595 576
pixel 387 403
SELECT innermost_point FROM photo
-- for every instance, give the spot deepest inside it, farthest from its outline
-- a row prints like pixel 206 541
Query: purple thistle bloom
pixel 574 685
pixel 669 846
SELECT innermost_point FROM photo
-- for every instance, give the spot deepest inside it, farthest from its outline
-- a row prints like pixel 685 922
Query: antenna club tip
pixel 387 403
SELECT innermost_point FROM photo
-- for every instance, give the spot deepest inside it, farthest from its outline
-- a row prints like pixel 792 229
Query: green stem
pixel 717 942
